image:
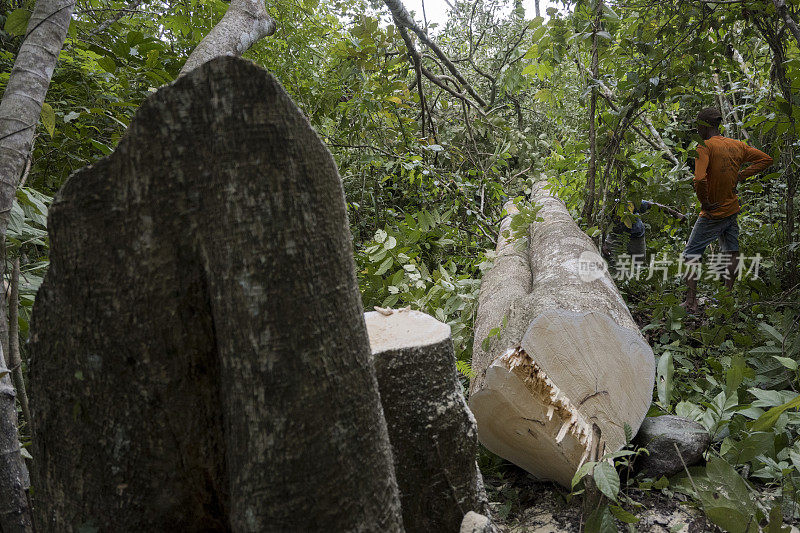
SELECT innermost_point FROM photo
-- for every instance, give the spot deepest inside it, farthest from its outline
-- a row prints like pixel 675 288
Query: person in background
pixel 717 172
pixel 632 239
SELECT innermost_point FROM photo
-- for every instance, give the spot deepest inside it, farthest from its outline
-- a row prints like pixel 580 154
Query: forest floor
pixel 522 504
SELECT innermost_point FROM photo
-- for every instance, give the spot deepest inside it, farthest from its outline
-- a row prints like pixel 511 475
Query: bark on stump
pixel 200 358
pixel 570 355
pixel 431 429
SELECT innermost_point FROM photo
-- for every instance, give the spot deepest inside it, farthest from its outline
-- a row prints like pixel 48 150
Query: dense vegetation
pixel 590 101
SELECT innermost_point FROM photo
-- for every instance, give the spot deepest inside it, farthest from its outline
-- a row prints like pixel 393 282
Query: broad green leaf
pixel 725 487
pixel 601 521
pixel 540 31
pixel 735 374
pixel 756 443
pixel 664 376
pixel 48 118
pixel 107 64
pixel 384 266
pixel 788 362
pixel 581 472
pixel 772 331
pixel 610 13
pixel 768 419
pixel 101 146
pixel 775 524
pixel 732 520
pixel 661 483
pixel 622 515
pixel 17 22
pixel 606 479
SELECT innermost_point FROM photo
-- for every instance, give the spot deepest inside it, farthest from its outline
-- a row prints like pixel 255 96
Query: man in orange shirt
pixel 717 171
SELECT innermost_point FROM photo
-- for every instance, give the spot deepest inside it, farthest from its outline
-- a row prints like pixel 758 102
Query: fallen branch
pixel 403 18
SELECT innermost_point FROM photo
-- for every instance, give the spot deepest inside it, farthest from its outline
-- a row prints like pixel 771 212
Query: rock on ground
pixel 477 523
pixel 660 435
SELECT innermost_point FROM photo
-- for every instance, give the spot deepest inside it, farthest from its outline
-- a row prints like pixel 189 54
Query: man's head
pixel 708 121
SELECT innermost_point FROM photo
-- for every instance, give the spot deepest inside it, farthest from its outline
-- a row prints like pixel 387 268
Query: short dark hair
pixel 710 116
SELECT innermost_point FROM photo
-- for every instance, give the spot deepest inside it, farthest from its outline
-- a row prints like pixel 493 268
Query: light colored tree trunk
pixel 654 139
pixel 216 372
pixel 431 429
pixel 567 355
pixel 14 358
pixel 244 23
pixel 20 109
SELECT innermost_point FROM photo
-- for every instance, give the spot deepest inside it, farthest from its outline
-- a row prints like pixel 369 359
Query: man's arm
pixel 759 161
pixel 701 176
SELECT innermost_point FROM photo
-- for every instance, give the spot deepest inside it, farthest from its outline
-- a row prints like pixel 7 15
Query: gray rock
pixel 660 435
pixel 477 523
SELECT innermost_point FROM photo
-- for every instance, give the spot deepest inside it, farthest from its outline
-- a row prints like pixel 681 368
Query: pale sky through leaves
pixel 436 10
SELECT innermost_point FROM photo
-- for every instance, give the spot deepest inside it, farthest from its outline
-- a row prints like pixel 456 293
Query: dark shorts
pixel 706 230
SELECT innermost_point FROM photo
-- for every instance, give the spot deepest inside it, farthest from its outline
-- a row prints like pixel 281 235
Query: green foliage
pixel 425 187
pixel 17 21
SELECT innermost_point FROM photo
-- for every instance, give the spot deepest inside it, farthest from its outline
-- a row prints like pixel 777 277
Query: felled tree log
pixel 431 429
pixel 569 358
pixel 199 355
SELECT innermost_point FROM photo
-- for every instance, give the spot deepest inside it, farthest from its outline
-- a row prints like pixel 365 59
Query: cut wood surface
pixel 569 357
pixel 431 429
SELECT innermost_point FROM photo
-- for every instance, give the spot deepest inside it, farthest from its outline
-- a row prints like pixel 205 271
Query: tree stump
pixel 431 429
pixel 569 356
pixel 199 354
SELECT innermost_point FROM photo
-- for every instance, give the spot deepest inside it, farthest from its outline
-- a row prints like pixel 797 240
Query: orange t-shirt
pixel 716 170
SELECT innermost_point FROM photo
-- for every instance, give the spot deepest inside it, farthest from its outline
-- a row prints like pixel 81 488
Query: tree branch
pixel 403 18
pixel 783 11
pixel 245 22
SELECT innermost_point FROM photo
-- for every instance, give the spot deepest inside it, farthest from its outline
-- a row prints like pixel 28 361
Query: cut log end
pixel 529 421
pixel 545 426
pixel 398 329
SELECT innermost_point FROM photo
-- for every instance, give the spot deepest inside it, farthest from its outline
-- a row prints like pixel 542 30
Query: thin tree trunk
pixel 591 175
pixel 14 510
pixel 654 139
pixel 14 358
pixel 244 23
pixel 20 109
